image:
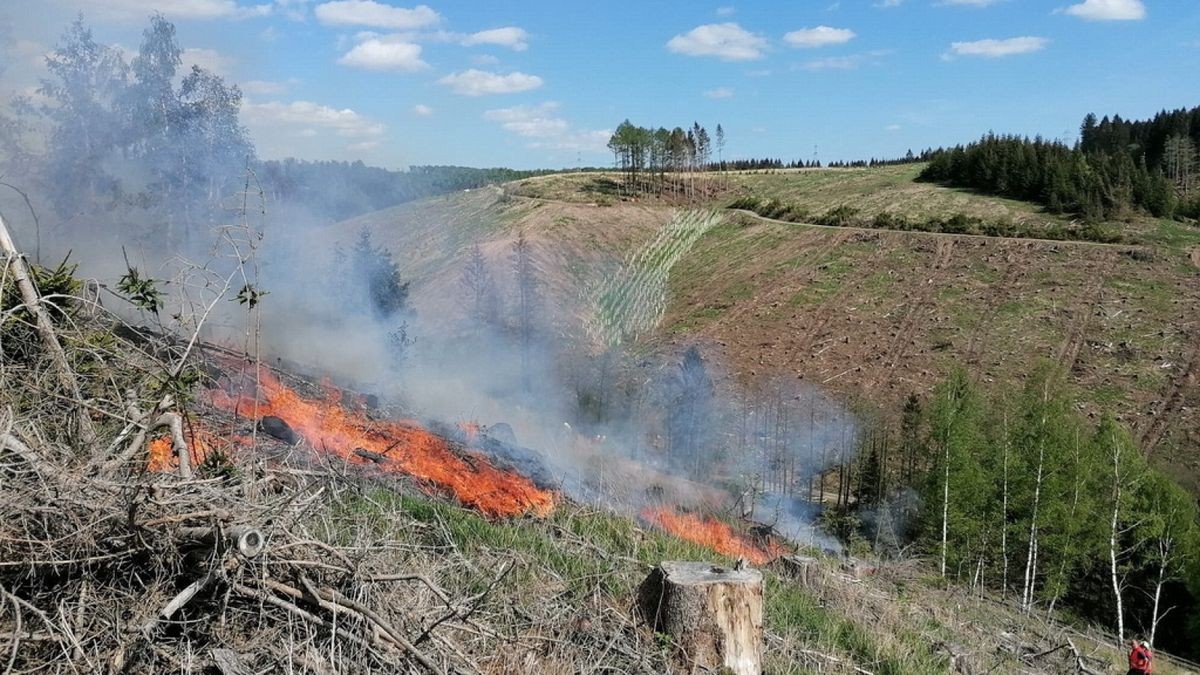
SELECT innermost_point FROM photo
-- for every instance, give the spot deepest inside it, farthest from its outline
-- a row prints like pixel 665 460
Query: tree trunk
pixel 1027 592
pixel 1164 552
pixel 945 503
pixel 713 614
pixel 1112 542
pixel 1004 519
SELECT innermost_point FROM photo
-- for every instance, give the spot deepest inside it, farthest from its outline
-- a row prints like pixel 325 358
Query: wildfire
pixel 162 454
pixel 715 534
pixel 470 431
pixel 408 448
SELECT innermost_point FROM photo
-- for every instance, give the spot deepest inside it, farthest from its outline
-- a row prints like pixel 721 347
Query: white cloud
pixel 545 129
pixel 263 88
pixel 379 15
pixel 422 110
pixel 530 121
pixel 302 116
pixel 296 10
pixel 484 60
pixel 726 41
pixel 969 3
pixel 510 36
pixel 892 127
pixel 821 36
pixel 997 48
pixel 847 62
pixel 309 130
pixel 138 10
pixel 726 11
pixel 1108 10
pixel 888 3
pixel 382 54
pixel 834 63
pixel 474 82
pixel 208 59
pixel 719 92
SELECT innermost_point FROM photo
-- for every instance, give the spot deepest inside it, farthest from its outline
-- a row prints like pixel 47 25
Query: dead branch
pixel 27 455
pixel 1079 664
pixel 330 595
pixel 247 541
pixel 299 613
pixel 180 601
pixel 45 330
pixel 179 446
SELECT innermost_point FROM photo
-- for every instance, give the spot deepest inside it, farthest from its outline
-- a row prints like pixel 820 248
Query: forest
pixel 1021 495
pixel 1117 167
pixel 340 190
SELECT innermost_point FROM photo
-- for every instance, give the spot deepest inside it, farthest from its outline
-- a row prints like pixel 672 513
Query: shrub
pixel 746 203
pixel 841 216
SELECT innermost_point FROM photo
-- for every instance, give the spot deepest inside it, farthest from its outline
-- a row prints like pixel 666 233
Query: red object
pixel 1139 660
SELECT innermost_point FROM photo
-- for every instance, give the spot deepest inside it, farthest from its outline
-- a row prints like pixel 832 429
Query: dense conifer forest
pixel 1118 166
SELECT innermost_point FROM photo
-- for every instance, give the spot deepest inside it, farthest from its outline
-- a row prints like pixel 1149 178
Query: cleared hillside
pixel 873 314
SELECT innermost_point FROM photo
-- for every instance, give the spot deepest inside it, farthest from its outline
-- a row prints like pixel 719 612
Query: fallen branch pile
pixel 268 558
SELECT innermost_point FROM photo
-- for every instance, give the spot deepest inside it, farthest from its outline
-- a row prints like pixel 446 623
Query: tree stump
pixel 804 569
pixel 714 614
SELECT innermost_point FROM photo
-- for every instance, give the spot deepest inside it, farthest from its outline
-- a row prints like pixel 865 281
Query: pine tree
pixel 482 298
pixel 526 304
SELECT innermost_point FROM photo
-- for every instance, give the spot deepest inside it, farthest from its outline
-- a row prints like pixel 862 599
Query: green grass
pixel 890 189
pixel 791 610
pixel 1174 235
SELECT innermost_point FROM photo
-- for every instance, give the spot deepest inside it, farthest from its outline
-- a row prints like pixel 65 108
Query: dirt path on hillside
pixel 1162 415
pixel 1067 353
pixel 919 305
pixel 1008 281
pixel 849 228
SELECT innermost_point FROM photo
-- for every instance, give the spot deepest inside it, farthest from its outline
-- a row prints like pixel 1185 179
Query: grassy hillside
pixel 567 602
pixel 881 189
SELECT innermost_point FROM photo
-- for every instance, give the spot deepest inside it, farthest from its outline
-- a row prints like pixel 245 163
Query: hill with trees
pixel 1116 167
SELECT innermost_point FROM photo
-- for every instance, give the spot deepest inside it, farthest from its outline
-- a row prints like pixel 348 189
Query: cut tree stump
pixel 713 614
pixel 804 569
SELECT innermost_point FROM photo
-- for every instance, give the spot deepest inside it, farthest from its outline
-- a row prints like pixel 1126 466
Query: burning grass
pixel 714 534
pixel 404 447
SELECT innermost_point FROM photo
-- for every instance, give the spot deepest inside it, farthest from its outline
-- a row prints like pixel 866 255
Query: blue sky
pixel 542 83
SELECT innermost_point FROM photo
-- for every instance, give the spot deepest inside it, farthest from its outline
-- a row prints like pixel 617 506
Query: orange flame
pixel 470 431
pixel 407 447
pixel 715 534
pixel 200 446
